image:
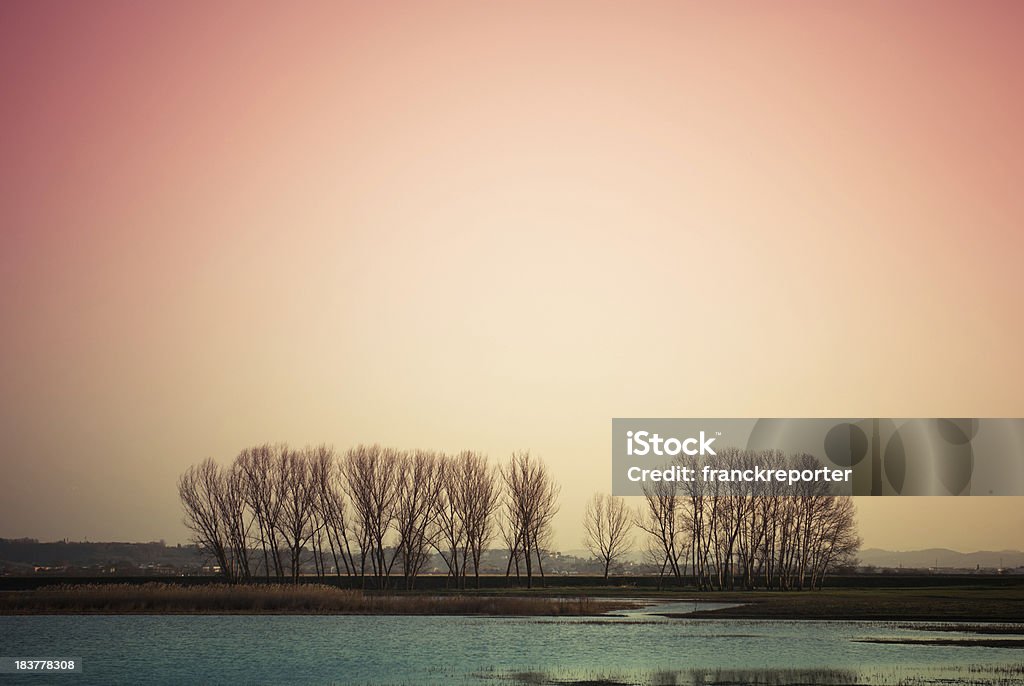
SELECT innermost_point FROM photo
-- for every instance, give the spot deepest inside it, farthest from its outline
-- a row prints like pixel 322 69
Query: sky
pixel 495 226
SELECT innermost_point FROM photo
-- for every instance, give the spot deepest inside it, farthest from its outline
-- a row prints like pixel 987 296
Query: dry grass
pixel 159 598
pixel 932 604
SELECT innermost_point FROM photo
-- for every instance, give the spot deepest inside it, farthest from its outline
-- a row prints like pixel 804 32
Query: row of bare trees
pixel 752 534
pixel 374 513
pixel 379 514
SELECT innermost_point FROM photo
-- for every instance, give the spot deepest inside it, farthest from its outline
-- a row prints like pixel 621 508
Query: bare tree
pixel 236 520
pixel 736 504
pixel 478 483
pixel 200 489
pixel 419 483
pixel 295 525
pixel 532 502
pixel 835 539
pixel 450 535
pixel 757 536
pixel 660 517
pixel 320 468
pixel 607 522
pixel 261 491
pixel 372 482
pixel 331 510
pixel 510 530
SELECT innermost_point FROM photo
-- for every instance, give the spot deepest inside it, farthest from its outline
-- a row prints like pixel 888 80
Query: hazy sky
pixel 496 226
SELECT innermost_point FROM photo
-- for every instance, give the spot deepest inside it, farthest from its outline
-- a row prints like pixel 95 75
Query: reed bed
pixel 161 598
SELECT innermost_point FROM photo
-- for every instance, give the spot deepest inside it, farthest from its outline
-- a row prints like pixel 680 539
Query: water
pixel 638 647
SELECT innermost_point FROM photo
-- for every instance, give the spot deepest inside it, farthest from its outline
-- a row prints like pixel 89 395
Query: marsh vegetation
pixel 284 598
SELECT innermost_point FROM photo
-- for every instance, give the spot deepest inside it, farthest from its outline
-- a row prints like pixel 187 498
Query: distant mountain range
pixel 942 557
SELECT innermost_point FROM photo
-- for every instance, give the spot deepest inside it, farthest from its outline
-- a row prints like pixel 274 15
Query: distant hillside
pixel 942 557
pixel 20 556
pixel 20 553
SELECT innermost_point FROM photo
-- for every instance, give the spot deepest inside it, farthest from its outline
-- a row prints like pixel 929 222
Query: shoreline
pixel 303 599
pixel 942 605
pixel 950 606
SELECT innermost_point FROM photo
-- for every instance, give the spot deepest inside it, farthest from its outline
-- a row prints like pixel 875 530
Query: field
pixel 940 604
pixel 983 600
pixel 162 598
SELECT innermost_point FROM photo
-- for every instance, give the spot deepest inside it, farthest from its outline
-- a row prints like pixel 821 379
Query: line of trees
pixel 375 513
pixel 380 515
pixel 608 523
pixel 752 534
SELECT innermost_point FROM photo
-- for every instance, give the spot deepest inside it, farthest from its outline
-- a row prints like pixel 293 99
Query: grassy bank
pixel 955 604
pixel 159 598
pixel 580 585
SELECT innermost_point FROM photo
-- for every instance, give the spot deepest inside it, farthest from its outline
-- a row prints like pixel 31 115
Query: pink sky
pixel 496 226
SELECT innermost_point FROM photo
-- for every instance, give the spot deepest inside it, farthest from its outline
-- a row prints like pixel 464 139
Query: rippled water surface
pixel 639 648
